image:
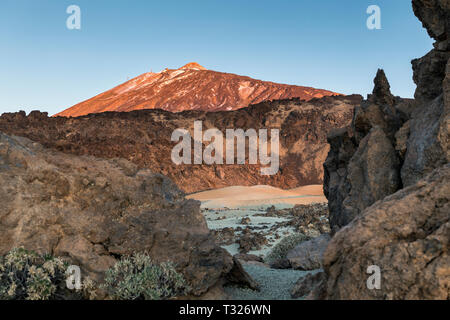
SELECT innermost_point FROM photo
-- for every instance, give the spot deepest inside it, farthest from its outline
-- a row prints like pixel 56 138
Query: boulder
pixel 239 276
pixel 308 254
pixel 91 212
pixel 250 241
pixel 309 286
pixel 407 235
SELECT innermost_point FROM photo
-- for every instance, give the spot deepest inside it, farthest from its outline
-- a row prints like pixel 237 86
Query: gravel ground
pixel 233 218
pixel 275 284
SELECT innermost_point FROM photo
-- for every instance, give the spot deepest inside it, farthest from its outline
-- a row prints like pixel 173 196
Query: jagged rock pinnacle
pixel 381 93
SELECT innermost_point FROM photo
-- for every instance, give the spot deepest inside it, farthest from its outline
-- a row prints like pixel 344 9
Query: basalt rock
pixel 363 165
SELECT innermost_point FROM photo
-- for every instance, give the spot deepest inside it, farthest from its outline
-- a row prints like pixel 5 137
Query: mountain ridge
pixel 191 87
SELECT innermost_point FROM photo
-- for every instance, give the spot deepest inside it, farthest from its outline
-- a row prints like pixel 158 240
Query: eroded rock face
pixel 372 174
pixel 411 136
pixel 144 138
pixel 424 150
pixel 363 165
pixel 427 147
pixel 435 17
pixel 92 211
pixel 381 94
pixel 407 235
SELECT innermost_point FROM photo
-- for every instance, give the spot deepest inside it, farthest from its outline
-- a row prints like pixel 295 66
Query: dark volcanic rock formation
pixel 391 143
pixel 389 198
pixel 93 211
pixel 363 164
pixel 144 138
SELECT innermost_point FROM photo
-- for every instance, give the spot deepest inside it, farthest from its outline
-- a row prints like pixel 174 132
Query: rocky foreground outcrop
pixel 407 235
pixel 387 179
pixel 144 138
pixel 91 212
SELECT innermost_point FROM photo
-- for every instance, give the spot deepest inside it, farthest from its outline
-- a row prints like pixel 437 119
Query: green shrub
pixel 136 277
pixel 26 275
pixel 280 250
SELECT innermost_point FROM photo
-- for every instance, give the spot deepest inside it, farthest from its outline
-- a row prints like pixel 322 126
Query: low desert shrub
pixel 280 250
pixel 136 277
pixel 27 275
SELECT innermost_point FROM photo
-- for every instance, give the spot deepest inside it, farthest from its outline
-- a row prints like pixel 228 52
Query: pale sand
pixel 258 196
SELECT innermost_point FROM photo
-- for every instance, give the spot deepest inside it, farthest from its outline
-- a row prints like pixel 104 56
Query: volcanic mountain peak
pixel 191 87
pixel 193 66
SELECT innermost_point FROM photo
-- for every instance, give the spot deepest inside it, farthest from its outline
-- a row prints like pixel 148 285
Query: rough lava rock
pixel 435 17
pixel 363 165
pixel 309 286
pixel 406 232
pixel 407 235
pixel 308 254
pixel 93 211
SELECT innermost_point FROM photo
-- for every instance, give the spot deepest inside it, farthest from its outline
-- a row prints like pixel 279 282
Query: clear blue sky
pixel 324 44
